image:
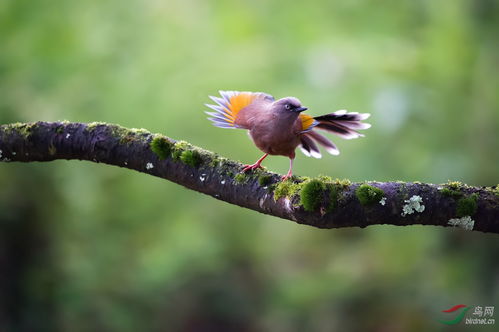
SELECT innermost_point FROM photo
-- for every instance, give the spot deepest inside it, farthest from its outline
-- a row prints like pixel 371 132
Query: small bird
pixel 278 127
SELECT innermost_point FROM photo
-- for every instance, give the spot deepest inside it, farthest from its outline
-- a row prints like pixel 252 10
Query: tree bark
pixel 321 202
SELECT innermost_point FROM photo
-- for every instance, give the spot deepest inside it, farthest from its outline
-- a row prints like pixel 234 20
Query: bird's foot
pixel 251 167
pixel 286 177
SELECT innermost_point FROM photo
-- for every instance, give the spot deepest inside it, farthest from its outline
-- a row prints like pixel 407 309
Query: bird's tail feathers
pixel 308 146
pixel 310 149
pixel 344 124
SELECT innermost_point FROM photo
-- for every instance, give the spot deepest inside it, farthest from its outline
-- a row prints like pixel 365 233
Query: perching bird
pixel 277 127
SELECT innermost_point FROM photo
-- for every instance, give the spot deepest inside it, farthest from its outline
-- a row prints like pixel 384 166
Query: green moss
pixel 454 185
pixel 494 190
pixel 127 139
pixel 127 136
pixel 264 179
pixel 271 187
pixel 333 188
pixel 450 192
pixel 467 206
pixel 161 146
pixel 211 158
pixel 311 194
pixel 324 178
pixel 93 125
pixel 334 194
pixel 368 194
pixel 215 160
pixel 286 188
pixel 241 178
pixel 22 129
pixel 191 158
pixel 124 135
pixel 178 148
pixel 344 183
pixel 176 154
pixel 139 131
pixel 59 129
pixel 297 178
pixel 195 156
pixel 223 165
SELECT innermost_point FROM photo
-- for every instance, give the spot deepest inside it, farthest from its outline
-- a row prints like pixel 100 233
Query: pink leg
pixel 255 165
pixel 290 172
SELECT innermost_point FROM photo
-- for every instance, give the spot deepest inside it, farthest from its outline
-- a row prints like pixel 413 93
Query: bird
pixel 278 127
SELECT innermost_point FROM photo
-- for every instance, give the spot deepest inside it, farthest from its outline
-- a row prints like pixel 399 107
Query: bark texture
pixel 321 202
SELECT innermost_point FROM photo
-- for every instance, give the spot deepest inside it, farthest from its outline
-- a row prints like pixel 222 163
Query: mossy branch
pixel 320 202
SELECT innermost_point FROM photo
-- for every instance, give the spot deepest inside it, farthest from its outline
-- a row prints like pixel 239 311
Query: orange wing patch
pixel 307 122
pixel 238 102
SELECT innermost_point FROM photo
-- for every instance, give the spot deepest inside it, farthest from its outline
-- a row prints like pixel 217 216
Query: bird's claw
pixel 251 167
pixel 286 177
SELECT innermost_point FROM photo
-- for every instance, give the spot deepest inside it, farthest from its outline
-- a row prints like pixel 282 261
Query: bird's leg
pixel 290 172
pixel 255 165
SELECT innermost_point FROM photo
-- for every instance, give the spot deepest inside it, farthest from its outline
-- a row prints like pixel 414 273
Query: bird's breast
pixel 274 139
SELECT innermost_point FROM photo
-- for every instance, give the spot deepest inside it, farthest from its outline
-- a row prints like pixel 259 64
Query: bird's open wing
pixel 230 104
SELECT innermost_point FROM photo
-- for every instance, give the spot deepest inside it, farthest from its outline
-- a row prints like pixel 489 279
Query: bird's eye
pixel 287 106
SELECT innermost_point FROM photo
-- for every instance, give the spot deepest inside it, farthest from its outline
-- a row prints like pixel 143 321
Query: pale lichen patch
pixel 413 204
pixel 287 205
pixel 261 202
pixel 382 201
pixel 149 166
pixel 464 222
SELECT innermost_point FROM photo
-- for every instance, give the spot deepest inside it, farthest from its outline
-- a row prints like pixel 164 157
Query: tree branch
pixel 320 202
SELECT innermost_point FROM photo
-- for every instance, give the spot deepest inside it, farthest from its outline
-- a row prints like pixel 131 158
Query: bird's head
pixel 289 105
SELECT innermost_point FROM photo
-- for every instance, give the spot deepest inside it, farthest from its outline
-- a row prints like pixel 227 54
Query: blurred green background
pixel 87 247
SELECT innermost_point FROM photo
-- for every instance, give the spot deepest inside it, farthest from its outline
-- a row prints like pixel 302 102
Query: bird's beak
pixel 300 109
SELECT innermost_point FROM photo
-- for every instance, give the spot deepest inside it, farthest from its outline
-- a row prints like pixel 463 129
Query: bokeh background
pixel 87 247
